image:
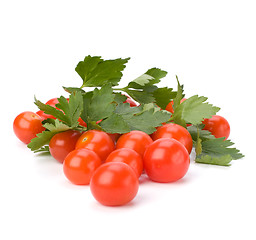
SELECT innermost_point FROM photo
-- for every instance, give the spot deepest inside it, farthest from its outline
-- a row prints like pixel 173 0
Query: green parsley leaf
pixel 69 111
pixel 73 89
pixel 211 150
pixel 98 104
pixel 40 140
pixel 43 150
pixel 101 105
pixel 53 127
pixel 56 126
pixel 51 110
pixel 119 97
pixel 72 108
pixel 143 118
pixel 193 111
pixel 163 96
pixel 179 95
pixel 141 96
pixel 151 77
pixel 96 72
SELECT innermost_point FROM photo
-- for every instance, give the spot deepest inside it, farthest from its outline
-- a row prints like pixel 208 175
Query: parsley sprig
pixel 102 107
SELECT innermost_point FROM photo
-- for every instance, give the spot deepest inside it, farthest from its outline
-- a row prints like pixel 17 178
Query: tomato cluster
pixel 112 164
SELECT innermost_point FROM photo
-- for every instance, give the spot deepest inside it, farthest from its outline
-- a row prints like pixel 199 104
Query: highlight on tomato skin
pixel 79 166
pixel 98 141
pixel 27 125
pixel 218 126
pixel 128 156
pixel 172 130
pixel 166 160
pixel 135 140
pixel 114 184
pixel 61 144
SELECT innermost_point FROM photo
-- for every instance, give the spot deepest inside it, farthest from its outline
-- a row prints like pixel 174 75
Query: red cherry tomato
pixel 172 130
pixel 98 141
pixel 128 156
pixel 166 160
pixel 114 184
pixel 27 125
pixel 169 106
pixel 63 143
pixel 79 165
pixel 135 140
pixel 218 126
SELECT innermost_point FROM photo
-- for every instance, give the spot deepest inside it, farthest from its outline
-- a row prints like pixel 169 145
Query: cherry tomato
pixel 218 126
pixel 114 184
pixel 128 156
pixel 63 143
pixel 169 106
pixel 172 130
pixel 27 125
pixel 135 140
pixel 79 165
pixel 98 141
pixel 166 160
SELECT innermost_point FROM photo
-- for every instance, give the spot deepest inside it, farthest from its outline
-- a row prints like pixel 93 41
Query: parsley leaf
pixel 144 90
pixel 69 111
pixel 40 140
pixel 96 72
pixel 193 111
pixel 163 96
pixel 98 104
pixel 211 150
pixel 179 95
pixel 72 108
pixel 53 127
pixel 140 96
pixel 56 126
pixel 43 150
pixel 151 77
pixel 143 118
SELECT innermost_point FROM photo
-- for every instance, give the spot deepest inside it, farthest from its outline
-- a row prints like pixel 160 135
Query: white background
pixel 210 45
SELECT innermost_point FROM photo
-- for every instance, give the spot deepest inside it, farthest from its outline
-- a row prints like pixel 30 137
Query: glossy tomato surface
pixel 166 160
pixel 63 143
pixel 80 164
pixel 98 141
pixel 172 130
pixel 128 156
pixel 114 184
pixel 218 126
pixel 135 140
pixel 26 125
